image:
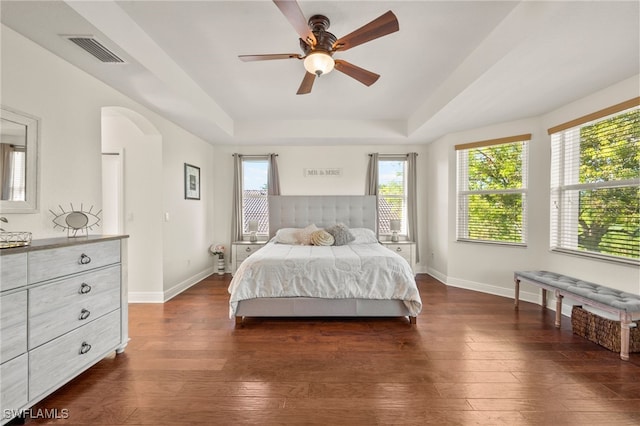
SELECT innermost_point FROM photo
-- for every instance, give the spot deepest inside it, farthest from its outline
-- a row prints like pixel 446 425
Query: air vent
pixel 95 48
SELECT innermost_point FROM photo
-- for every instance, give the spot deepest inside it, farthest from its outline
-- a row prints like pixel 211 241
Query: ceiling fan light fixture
pixel 319 63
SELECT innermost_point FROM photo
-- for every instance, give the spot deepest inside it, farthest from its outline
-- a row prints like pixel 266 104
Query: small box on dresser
pixel 64 307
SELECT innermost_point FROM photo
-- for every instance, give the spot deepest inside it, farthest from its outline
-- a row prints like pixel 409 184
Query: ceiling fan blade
pixel 249 58
pixel 363 76
pixel 307 84
pixel 381 26
pixel 291 10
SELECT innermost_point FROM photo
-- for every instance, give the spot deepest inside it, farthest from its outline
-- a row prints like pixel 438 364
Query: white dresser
pixel 63 307
pixel 240 250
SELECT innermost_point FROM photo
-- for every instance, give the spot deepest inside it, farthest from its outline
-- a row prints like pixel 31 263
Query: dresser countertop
pixel 56 242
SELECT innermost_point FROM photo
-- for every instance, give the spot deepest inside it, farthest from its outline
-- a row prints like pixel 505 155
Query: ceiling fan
pixel 319 45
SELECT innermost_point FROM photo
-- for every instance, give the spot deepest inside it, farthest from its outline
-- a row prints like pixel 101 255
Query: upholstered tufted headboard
pixel 298 211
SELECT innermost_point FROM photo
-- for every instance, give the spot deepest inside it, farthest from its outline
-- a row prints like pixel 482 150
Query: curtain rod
pixel 394 155
pixel 254 155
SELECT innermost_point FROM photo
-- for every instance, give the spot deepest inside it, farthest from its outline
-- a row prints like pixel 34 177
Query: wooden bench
pixel 625 305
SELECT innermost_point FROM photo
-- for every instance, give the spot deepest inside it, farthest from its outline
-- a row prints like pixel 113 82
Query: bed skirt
pixel 315 307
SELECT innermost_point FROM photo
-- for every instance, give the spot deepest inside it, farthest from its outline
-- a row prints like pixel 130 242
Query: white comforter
pixel 363 271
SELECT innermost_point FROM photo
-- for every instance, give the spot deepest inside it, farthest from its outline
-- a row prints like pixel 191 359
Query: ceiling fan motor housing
pixel 324 39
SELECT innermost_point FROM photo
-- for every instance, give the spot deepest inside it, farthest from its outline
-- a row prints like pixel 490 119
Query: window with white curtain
pixel 255 205
pixel 492 190
pixel 392 193
pixel 595 191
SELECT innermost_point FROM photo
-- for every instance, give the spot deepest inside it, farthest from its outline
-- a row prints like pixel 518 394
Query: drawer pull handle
pixel 85 348
pixel 84 259
pixel 85 288
pixel 84 314
pixel 248 249
pixel 398 248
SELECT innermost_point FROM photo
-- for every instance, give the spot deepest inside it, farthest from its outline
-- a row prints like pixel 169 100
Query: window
pixel 492 190
pixel 392 193
pixel 254 194
pixel 12 170
pixel 595 182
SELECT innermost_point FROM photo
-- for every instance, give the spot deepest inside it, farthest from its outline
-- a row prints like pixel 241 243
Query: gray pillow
pixel 341 234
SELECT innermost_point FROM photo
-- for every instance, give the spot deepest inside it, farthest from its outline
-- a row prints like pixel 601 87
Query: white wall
pixel 490 268
pixel 142 164
pixel 292 160
pixel 69 103
pixel 190 231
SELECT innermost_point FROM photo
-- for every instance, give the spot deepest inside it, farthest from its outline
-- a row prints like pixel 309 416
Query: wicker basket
pixel 602 331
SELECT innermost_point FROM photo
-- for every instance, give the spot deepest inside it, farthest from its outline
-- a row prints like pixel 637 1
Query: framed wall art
pixel 191 182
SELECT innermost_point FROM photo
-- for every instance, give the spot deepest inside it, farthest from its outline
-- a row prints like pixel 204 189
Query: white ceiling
pixel 453 65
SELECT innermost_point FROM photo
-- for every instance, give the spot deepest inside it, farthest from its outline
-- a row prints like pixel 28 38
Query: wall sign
pixel 325 171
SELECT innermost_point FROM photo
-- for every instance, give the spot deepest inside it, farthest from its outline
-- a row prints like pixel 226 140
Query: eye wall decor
pixel 77 223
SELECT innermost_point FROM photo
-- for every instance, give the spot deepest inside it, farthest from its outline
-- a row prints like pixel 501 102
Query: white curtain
pixel 273 188
pixel 273 179
pixel 412 201
pixel 371 185
pixel 236 214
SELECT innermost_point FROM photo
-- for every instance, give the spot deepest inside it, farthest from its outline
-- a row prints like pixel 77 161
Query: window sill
pixel 600 257
pixel 493 243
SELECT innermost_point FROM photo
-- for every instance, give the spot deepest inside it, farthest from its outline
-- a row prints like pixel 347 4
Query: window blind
pixel 492 190
pixel 595 182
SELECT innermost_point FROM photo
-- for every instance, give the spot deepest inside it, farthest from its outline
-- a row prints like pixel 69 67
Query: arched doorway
pixel 132 196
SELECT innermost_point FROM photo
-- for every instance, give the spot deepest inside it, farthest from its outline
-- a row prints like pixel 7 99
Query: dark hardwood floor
pixel 471 359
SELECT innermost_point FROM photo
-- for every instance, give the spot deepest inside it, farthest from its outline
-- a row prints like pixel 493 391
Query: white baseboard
pixel 437 275
pixel 191 281
pixel 525 296
pixel 146 297
pixel 161 297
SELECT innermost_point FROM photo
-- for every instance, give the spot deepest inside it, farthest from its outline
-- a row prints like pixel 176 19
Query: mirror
pixel 19 139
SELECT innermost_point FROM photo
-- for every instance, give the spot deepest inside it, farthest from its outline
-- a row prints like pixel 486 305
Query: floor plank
pixel 471 359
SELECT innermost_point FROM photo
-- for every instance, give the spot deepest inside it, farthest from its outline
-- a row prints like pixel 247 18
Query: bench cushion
pixel 550 278
pixel 621 300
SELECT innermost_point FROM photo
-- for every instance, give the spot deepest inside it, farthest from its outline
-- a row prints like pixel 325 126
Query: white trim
pixel 508 292
pixel 162 297
pixel 145 297
pixel 490 289
pixel 525 296
pixel 189 282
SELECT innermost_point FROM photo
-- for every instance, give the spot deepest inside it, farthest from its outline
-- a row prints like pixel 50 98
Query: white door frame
pixel 119 191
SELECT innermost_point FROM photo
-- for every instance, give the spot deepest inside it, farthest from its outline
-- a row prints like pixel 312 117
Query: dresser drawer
pixel 403 250
pixel 48 264
pixel 245 250
pixel 13 271
pixel 13 325
pixel 13 386
pixel 61 306
pixel 54 363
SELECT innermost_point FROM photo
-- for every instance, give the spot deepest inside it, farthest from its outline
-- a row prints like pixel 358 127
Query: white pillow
pixel 304 235
pixel 363 236
pixel 287 236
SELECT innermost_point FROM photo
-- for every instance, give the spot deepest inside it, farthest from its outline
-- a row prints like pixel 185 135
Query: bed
pixel 359 279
